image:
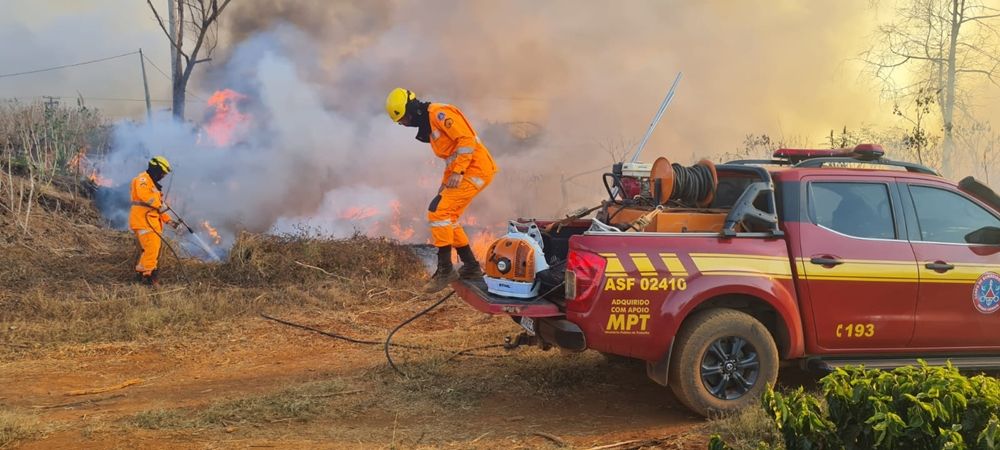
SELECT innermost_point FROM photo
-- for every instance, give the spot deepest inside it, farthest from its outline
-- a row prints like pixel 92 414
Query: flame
pixel 216 239
pixel 398 232
pixel 97 179
pixel 480 243
pixel 358 213
pixel 226 120
pixel 80 164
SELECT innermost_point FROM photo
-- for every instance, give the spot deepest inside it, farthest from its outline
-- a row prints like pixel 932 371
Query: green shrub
pixel 913 407
pixel 801 420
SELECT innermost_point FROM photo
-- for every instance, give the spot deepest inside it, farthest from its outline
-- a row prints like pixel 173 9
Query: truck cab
pixel 818 257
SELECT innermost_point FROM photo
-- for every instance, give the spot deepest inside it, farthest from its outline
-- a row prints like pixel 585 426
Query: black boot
pixel 154 278
pixel 444 274
pixel 470 269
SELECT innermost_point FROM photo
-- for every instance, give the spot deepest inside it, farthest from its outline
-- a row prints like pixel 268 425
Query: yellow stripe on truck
pixel 642 262
pixel 614 267
pixel 962 273
pixel 742 265
pixel 673 264
pixel 862 270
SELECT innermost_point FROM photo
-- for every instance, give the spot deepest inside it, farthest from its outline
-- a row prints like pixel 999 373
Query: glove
pixel 173 224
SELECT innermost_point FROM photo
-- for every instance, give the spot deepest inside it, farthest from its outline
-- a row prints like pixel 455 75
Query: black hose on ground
pixel 388 341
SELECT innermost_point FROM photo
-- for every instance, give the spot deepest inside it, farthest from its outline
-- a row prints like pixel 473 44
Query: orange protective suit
pixel 454 140
pixel 146 221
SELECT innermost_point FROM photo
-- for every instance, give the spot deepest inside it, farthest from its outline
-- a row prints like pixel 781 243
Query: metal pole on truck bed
pixel 656 118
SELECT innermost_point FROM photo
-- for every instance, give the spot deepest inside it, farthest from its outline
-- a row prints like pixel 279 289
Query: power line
pixel 158 69
pixel 85 98
pixel 6 75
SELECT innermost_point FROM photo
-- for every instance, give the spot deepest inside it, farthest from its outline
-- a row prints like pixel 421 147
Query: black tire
pixel 723 359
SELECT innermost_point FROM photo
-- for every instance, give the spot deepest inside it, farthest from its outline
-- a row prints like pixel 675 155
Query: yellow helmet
pixel 395 103
pixel 160 162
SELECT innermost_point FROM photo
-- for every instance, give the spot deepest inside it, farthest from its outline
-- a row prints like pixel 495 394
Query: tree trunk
pixel 179 78
pixel 179 97
pixel 948 108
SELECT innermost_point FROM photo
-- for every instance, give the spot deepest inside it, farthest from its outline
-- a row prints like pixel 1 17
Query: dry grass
pixel 297 404
pixel 745 429
pixel 16 427
pixel 70 280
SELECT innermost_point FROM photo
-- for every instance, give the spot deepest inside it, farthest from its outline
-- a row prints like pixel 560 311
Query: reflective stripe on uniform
pixel 141 204
pixel 477 181
pixel 440 223
pixel 142 232
pixel 464 150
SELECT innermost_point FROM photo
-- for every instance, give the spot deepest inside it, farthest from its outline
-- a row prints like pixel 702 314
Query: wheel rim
pixel 730 367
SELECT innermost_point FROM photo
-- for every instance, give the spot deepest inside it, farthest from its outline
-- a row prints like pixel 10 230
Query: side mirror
pixel 984 235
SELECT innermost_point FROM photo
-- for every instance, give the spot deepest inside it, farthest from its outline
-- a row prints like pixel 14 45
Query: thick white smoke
pixel 299 163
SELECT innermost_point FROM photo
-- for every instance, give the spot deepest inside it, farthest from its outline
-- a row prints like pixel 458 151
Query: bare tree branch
pixel 164 28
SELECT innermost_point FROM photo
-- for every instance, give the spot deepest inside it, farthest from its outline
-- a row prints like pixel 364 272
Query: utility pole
pixel 171 19
pixel 145 86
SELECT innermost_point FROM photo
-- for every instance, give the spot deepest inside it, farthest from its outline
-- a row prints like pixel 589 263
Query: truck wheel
pixel 723 360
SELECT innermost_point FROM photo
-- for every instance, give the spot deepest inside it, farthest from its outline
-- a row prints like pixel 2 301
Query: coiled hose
pixel 692 184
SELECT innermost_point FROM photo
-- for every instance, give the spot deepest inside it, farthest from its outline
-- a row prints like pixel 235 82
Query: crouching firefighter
pixel 469 169
pixel 147 216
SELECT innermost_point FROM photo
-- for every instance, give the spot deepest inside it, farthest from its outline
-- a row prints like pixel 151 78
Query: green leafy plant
pixel 913 407
pixel 801 420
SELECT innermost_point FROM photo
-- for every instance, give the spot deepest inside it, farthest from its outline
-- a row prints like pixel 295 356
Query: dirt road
pixel 254 383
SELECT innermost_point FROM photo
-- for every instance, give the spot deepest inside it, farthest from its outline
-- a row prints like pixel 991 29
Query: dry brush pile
pixel 65 276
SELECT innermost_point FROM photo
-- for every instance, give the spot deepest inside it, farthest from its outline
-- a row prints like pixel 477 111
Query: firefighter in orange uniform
pixel 469 169
pixel 147 216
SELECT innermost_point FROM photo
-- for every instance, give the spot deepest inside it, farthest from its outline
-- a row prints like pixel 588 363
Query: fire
pixel 398 231
pixel 216 239
pixel 226 120
pixel 99 180
pixel 80 164
pixel 358 213
pixel 480 243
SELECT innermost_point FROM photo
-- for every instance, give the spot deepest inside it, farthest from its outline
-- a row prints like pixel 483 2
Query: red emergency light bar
pixel 862 152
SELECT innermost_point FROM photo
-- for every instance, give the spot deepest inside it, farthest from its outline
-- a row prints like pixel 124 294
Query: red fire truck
pixel 821 257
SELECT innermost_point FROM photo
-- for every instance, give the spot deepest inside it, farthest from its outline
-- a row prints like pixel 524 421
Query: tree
pixel 940 45
pixel 197 18
pixel 918 140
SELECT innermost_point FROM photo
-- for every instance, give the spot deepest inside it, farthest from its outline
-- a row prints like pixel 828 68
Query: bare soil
pixel 88 359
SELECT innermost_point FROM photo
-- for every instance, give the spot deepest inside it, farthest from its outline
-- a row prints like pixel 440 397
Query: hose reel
pixel 693 185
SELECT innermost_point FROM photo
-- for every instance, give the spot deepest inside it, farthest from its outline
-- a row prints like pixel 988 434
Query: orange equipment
pixel 513 261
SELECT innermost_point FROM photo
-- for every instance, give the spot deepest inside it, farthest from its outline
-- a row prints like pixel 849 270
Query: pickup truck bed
pixel 475 294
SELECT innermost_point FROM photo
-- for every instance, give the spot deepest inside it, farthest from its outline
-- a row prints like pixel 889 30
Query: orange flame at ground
pixel 80 164
pixel 226 120
pixel 216 239
pixel 398 231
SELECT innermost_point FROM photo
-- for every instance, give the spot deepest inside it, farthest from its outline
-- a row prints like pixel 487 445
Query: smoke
pixel 556 90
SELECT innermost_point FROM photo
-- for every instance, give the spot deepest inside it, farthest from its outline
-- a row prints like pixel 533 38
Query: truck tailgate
pixel 475 294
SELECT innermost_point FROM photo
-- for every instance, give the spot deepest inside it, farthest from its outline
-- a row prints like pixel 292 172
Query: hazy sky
pixel 39 34
pixel 782 67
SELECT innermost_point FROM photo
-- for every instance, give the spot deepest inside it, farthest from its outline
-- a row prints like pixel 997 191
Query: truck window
pixel 945 216
pixel 855 209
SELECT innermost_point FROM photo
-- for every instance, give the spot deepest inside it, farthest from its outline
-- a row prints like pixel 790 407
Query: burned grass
pixel 16 427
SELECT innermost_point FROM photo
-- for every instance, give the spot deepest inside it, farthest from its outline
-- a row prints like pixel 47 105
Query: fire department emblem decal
pixel 986 293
